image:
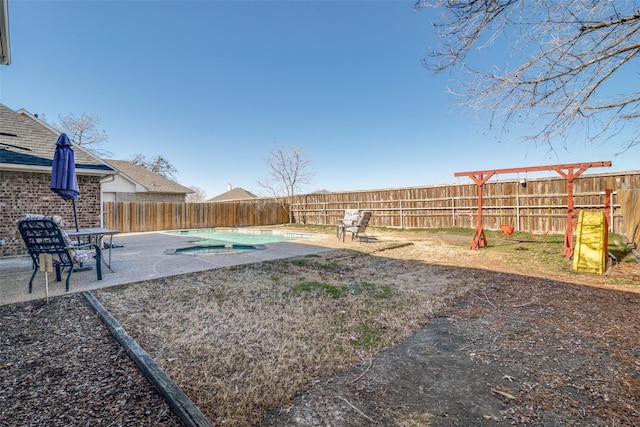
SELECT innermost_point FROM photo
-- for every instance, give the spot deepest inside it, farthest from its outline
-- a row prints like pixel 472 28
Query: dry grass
pixel 245 339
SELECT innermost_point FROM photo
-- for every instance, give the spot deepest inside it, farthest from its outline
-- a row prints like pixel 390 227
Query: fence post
pixel 401 216
pixel 518 228
pixel 612 210
pixel 326 214
pixel 453 211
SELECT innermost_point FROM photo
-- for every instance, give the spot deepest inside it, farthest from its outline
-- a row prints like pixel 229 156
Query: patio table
pixel 98 234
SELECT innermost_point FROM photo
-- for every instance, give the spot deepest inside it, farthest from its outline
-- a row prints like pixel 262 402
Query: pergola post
pixel 570 176
pixel 481 177
pixel 479 240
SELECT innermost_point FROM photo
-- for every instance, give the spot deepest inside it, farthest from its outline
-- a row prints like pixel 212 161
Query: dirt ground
pixel 59 366
pixel 516 350
pixel 524 346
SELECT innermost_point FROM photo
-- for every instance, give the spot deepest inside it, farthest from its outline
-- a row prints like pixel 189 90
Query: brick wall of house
pixel 29 192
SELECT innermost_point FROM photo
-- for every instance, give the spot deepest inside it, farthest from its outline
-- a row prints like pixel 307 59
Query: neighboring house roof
pixel 28 144
pixel 150 181
pixel 233 194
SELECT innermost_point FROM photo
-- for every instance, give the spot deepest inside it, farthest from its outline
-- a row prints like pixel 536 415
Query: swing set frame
pixel 507 229
pixel 569 171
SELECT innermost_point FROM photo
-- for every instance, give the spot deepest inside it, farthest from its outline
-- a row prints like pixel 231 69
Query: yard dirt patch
pixel 526 346
pixel 405 331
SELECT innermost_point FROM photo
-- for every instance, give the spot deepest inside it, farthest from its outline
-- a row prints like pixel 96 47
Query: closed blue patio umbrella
pixel 63 173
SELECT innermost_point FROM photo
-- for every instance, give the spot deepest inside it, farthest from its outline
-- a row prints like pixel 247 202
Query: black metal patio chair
pixel 43 234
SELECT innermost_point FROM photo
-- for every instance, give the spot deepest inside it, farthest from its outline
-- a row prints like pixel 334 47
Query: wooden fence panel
pixel 148 216
pixel 535 205
pixel 630 205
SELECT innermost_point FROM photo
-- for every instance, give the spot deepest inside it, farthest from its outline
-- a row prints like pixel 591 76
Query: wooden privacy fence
pixel 149 216
pixel 630 206
pixel 535 205
pixel 523 213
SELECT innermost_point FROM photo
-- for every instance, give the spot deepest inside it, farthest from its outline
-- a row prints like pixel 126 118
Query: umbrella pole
pixel 75 213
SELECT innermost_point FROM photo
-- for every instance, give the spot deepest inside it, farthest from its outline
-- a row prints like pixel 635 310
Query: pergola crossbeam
pixel 569 171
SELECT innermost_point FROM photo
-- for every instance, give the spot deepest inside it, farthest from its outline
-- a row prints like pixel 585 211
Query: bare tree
pixel 288 170
pixel 157 164
pixel 569 67
pixel 199 195
pixel 84 131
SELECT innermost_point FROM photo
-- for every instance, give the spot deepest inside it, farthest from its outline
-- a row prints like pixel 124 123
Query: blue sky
pixel 212 85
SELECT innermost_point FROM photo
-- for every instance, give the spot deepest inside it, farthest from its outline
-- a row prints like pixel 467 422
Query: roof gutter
pixel 110 178
pixel 47 169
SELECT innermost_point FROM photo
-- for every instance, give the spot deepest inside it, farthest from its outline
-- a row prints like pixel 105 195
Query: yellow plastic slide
pixel 590 253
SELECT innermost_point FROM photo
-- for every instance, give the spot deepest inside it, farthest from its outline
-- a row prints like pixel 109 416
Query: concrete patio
pixel 141 257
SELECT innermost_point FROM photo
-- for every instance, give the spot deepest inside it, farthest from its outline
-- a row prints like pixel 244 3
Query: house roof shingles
pixel 151 181
pixel 27 143
pixel 233 194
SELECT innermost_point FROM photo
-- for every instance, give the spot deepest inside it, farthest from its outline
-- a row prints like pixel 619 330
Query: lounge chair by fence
pixel 359 228
pixel 350 219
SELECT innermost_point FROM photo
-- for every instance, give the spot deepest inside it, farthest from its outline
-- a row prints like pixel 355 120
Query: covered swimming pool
pixel 220 240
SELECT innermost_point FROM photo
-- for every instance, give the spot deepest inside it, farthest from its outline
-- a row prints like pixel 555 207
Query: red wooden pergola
pixel 569 172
